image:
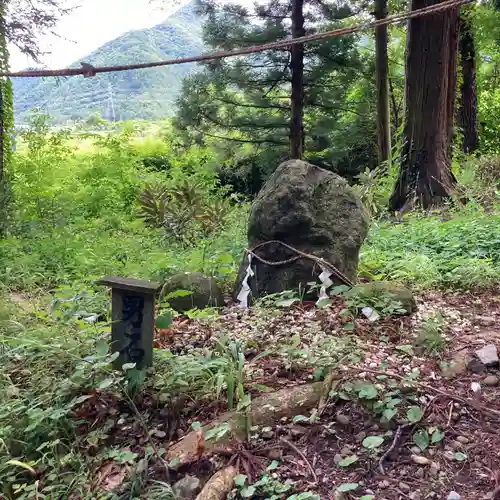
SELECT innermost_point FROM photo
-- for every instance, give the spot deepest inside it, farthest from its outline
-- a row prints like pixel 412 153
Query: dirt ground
pixel 449 449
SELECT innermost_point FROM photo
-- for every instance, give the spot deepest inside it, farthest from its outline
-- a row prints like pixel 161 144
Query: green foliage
pixel 6 130
pixel 183 210
pixel 430 339
pixel 431 251
pixel 77 212
pixel 48 371
pixel 268 487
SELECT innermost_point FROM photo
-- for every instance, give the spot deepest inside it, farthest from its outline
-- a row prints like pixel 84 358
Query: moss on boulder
pixel 205 292
pixel 375 289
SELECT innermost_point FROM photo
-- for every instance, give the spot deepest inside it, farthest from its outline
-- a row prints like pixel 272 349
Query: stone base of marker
pixel 133 321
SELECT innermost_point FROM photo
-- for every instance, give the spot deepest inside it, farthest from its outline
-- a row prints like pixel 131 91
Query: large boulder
pixel 205 292
pixel 313 210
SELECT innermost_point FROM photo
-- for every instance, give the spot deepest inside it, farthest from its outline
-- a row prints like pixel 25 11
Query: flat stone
pixel 267 433
pixel 491 380
pixel 360 436
pixel 415 495
pixel 274 454
pixel 463 439
pixel 434 469
pixel 405 488
pixel 475 366
pixel 457 366
pixel 453 495
pixel 342 419
pixel 418 459
pixel 488 355
pixel 187 487
pixel 337 458
pixel 486 320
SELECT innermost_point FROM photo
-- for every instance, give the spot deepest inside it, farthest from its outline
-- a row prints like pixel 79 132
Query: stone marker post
pixel 132 313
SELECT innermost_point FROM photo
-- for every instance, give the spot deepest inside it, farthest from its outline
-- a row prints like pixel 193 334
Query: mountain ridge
pixel 137 94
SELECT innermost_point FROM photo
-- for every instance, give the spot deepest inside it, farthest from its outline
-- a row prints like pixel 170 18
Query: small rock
pixel 418 459
pixel 405 488
pixel 455 416
pixel 346 450
pixel 342 419
pixel 337 458
pixel 449 455
pixel 384 484
pixel 360 436
pixel 339 495
pixel 297 430
pixel 415 450
pixel 491 380
pixel 457 367
pixel 187 487
pixel 274 454
pixel 488 355
pixel 434 469
pixel 453 495
pixel 456 445
pixel 415 495
pixel 420 473
pixel 462 439
pixel 475 366
pixel 486 320
pixel 267 433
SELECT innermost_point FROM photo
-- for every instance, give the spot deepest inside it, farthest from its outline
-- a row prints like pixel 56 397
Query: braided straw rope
pixel 89 70
pixel 300 255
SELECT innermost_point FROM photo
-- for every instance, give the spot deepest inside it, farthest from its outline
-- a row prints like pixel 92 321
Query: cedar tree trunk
pixel 297 70
pixel 382 83
pixel 467 115
pixel 425 176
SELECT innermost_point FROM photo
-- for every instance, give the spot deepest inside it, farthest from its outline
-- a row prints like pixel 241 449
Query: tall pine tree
pixel 286 102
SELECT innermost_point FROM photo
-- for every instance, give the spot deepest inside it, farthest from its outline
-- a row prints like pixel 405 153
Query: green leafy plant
pixel 430 339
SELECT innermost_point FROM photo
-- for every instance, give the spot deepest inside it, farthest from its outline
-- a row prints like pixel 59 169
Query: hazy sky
pixel 92 24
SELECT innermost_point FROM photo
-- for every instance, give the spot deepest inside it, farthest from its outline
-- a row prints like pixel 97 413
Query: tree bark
pixel 425 176
pixel 382 83
pixel 467 115
pixel 297 94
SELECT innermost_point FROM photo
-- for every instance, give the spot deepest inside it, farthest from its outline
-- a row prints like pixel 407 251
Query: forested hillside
pixel 144 94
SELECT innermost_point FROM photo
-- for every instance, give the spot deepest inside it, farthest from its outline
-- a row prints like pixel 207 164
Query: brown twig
pixel 296 450
pixel 391 448
pixel 399 431
pixel 156 451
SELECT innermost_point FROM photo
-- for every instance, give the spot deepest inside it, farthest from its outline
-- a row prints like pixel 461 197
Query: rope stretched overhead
pixel 87 70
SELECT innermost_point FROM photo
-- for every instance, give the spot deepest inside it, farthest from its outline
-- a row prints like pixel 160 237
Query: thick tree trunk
pixel 467 115
pixel 431 69
pixel 382 83
pixel 297 70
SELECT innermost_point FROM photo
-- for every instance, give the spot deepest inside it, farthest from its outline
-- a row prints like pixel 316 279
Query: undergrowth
pixel 109 209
